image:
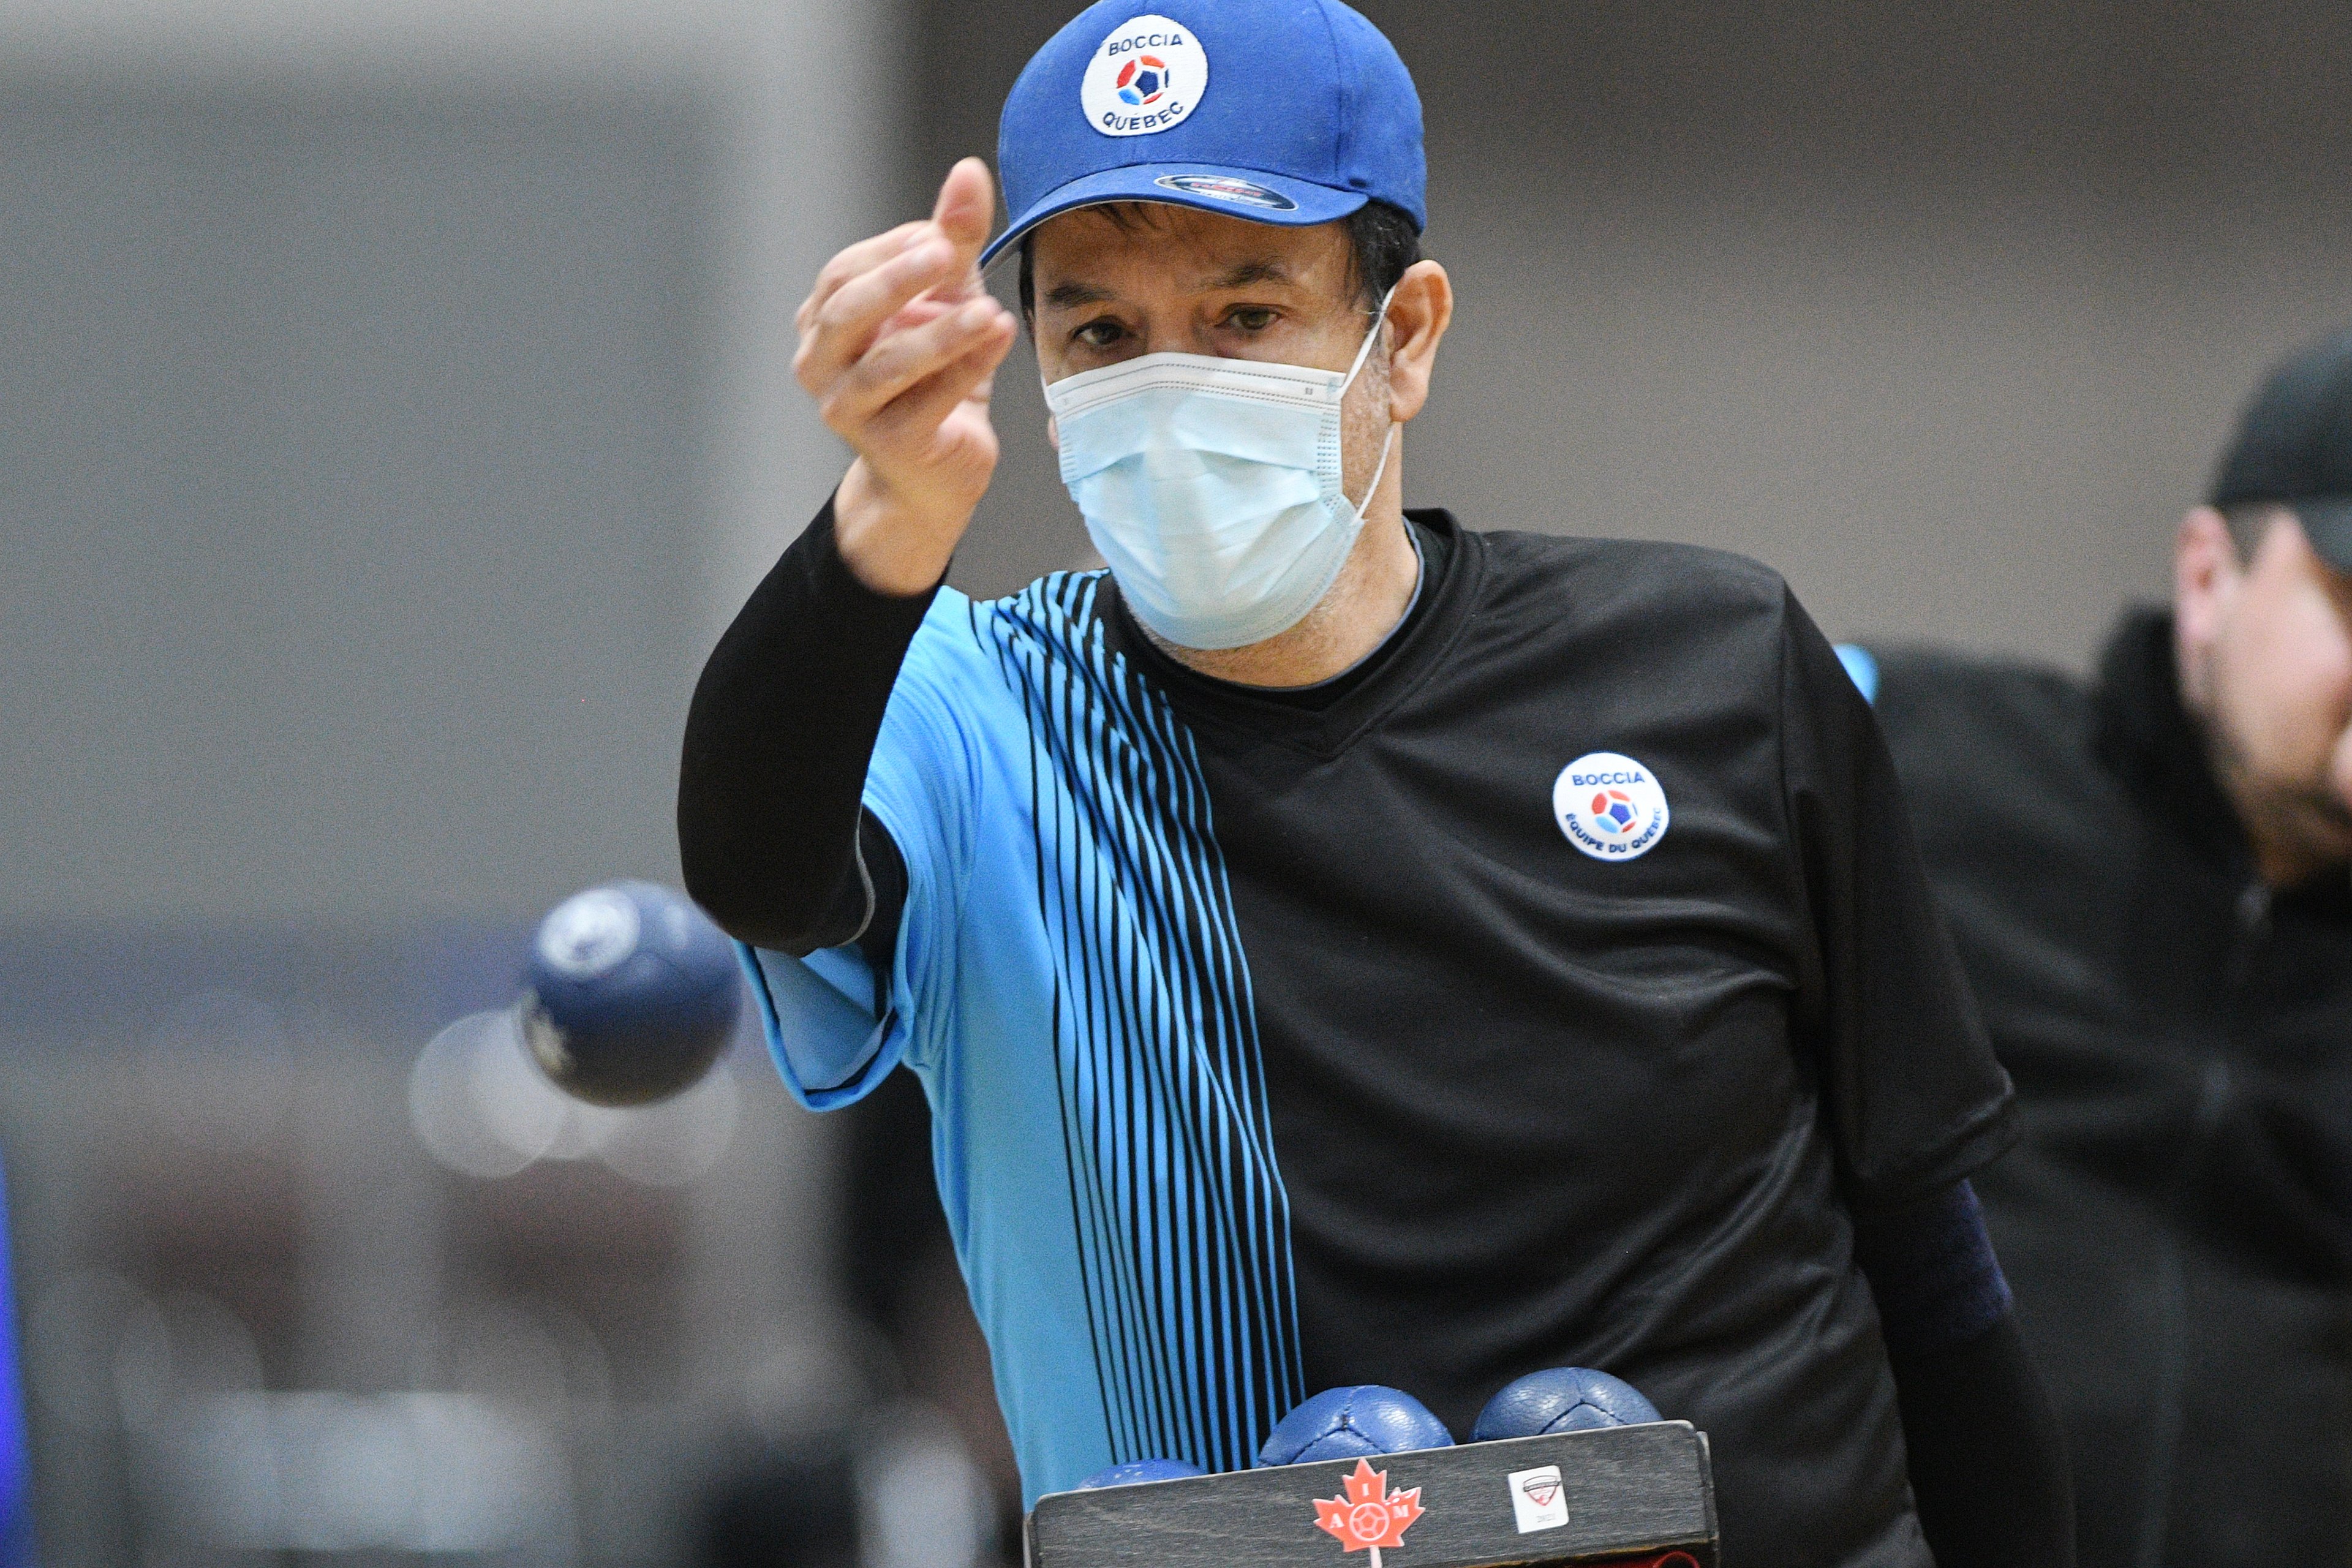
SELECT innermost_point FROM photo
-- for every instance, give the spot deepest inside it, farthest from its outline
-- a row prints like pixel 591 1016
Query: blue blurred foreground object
pixel 1562 1399
pixel 15 1461
pixel 1136 1472
pixel 630 994
pixel 1349 1422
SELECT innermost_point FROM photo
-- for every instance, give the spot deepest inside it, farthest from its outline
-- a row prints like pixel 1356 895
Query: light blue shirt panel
pixel 818 1016
pixel 971 1011
pixel 1862 667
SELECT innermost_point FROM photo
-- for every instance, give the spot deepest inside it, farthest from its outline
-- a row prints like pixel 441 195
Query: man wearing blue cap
pixel 1341 946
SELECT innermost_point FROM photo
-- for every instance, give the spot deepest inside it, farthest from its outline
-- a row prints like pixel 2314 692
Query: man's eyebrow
pixel 1067 296
pixel 1264 270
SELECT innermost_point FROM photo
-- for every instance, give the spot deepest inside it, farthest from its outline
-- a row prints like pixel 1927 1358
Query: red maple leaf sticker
pixel 1370 1515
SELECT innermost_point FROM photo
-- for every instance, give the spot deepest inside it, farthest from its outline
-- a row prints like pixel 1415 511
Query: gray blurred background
pixel 394 403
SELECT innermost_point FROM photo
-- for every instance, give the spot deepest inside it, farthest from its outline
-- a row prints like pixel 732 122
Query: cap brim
pixel 2328 525
pixel 1249 193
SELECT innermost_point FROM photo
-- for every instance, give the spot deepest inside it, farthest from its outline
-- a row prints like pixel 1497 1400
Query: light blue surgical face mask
pixel 1212 487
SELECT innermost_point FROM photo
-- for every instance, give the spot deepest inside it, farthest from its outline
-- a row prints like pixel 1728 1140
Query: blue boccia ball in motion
pixel 1136 1472
pixel 1561 1399
pixel 1353 1423
pixel 630 994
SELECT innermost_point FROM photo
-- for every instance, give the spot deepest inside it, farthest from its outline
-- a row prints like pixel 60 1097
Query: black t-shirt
pixel 1539 1101
pixel 1535 1108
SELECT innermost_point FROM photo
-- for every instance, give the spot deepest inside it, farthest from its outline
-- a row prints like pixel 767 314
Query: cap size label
pixel 1227 188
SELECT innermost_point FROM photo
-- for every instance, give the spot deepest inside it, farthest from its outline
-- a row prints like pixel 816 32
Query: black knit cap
pixel 2295 447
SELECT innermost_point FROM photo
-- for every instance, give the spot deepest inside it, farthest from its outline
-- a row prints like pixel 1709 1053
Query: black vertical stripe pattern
pixel 1177 1207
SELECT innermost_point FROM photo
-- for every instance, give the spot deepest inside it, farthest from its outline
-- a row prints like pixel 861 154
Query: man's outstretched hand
pixel 899 345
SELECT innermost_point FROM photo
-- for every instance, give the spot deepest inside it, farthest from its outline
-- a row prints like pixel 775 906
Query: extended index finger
pixel 965 208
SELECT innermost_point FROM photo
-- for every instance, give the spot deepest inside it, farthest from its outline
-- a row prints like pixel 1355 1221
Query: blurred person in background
pixel 2147 878
pixel 820 1496
pixel 903 1281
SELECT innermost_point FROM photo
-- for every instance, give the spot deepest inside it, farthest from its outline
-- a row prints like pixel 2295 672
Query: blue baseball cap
pixel 1283 112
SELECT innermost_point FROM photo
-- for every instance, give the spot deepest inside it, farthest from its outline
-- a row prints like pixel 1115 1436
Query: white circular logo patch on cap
pixel 1147 76
pixel 1610 806
pixel 588 933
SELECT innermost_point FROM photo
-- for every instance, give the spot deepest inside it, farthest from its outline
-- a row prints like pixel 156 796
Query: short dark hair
pixel 1381 244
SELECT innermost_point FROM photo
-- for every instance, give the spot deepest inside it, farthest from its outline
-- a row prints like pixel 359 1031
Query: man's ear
pixel 1418 313
pixel 1053 434
pixel 2206 573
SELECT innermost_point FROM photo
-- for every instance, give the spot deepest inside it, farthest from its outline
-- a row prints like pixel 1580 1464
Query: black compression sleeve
pixel 1988 1466
pixel 1932 1271
pixel 769 832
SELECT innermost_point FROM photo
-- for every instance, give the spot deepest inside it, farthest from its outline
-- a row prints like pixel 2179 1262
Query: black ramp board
pixel 1622 1492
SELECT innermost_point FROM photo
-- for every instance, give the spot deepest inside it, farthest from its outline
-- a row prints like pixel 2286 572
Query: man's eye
pixel 1098 334
pixel 1251 317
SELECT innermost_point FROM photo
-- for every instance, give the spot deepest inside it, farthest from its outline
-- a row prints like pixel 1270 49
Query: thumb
pixel 966 209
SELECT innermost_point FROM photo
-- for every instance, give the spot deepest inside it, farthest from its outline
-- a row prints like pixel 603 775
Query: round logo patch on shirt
pixel 1610 806
pixel 1148 76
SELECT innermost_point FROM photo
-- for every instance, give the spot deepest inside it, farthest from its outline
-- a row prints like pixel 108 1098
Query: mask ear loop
pixel 1370 337
pixel 1380 318
pixel 1378 469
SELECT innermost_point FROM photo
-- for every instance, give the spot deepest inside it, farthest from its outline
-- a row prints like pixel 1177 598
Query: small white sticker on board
pixel 1538 1500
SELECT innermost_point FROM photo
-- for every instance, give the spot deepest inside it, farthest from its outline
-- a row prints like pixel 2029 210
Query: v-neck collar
pixel 1390 674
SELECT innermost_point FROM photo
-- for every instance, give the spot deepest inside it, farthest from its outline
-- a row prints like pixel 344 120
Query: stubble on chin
pixel 2302 826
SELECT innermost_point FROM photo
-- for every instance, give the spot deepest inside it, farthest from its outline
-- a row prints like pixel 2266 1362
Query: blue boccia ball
pixel 1561 1399
pixel 630 993
pixel 1136 1472
pixel 1353 1423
